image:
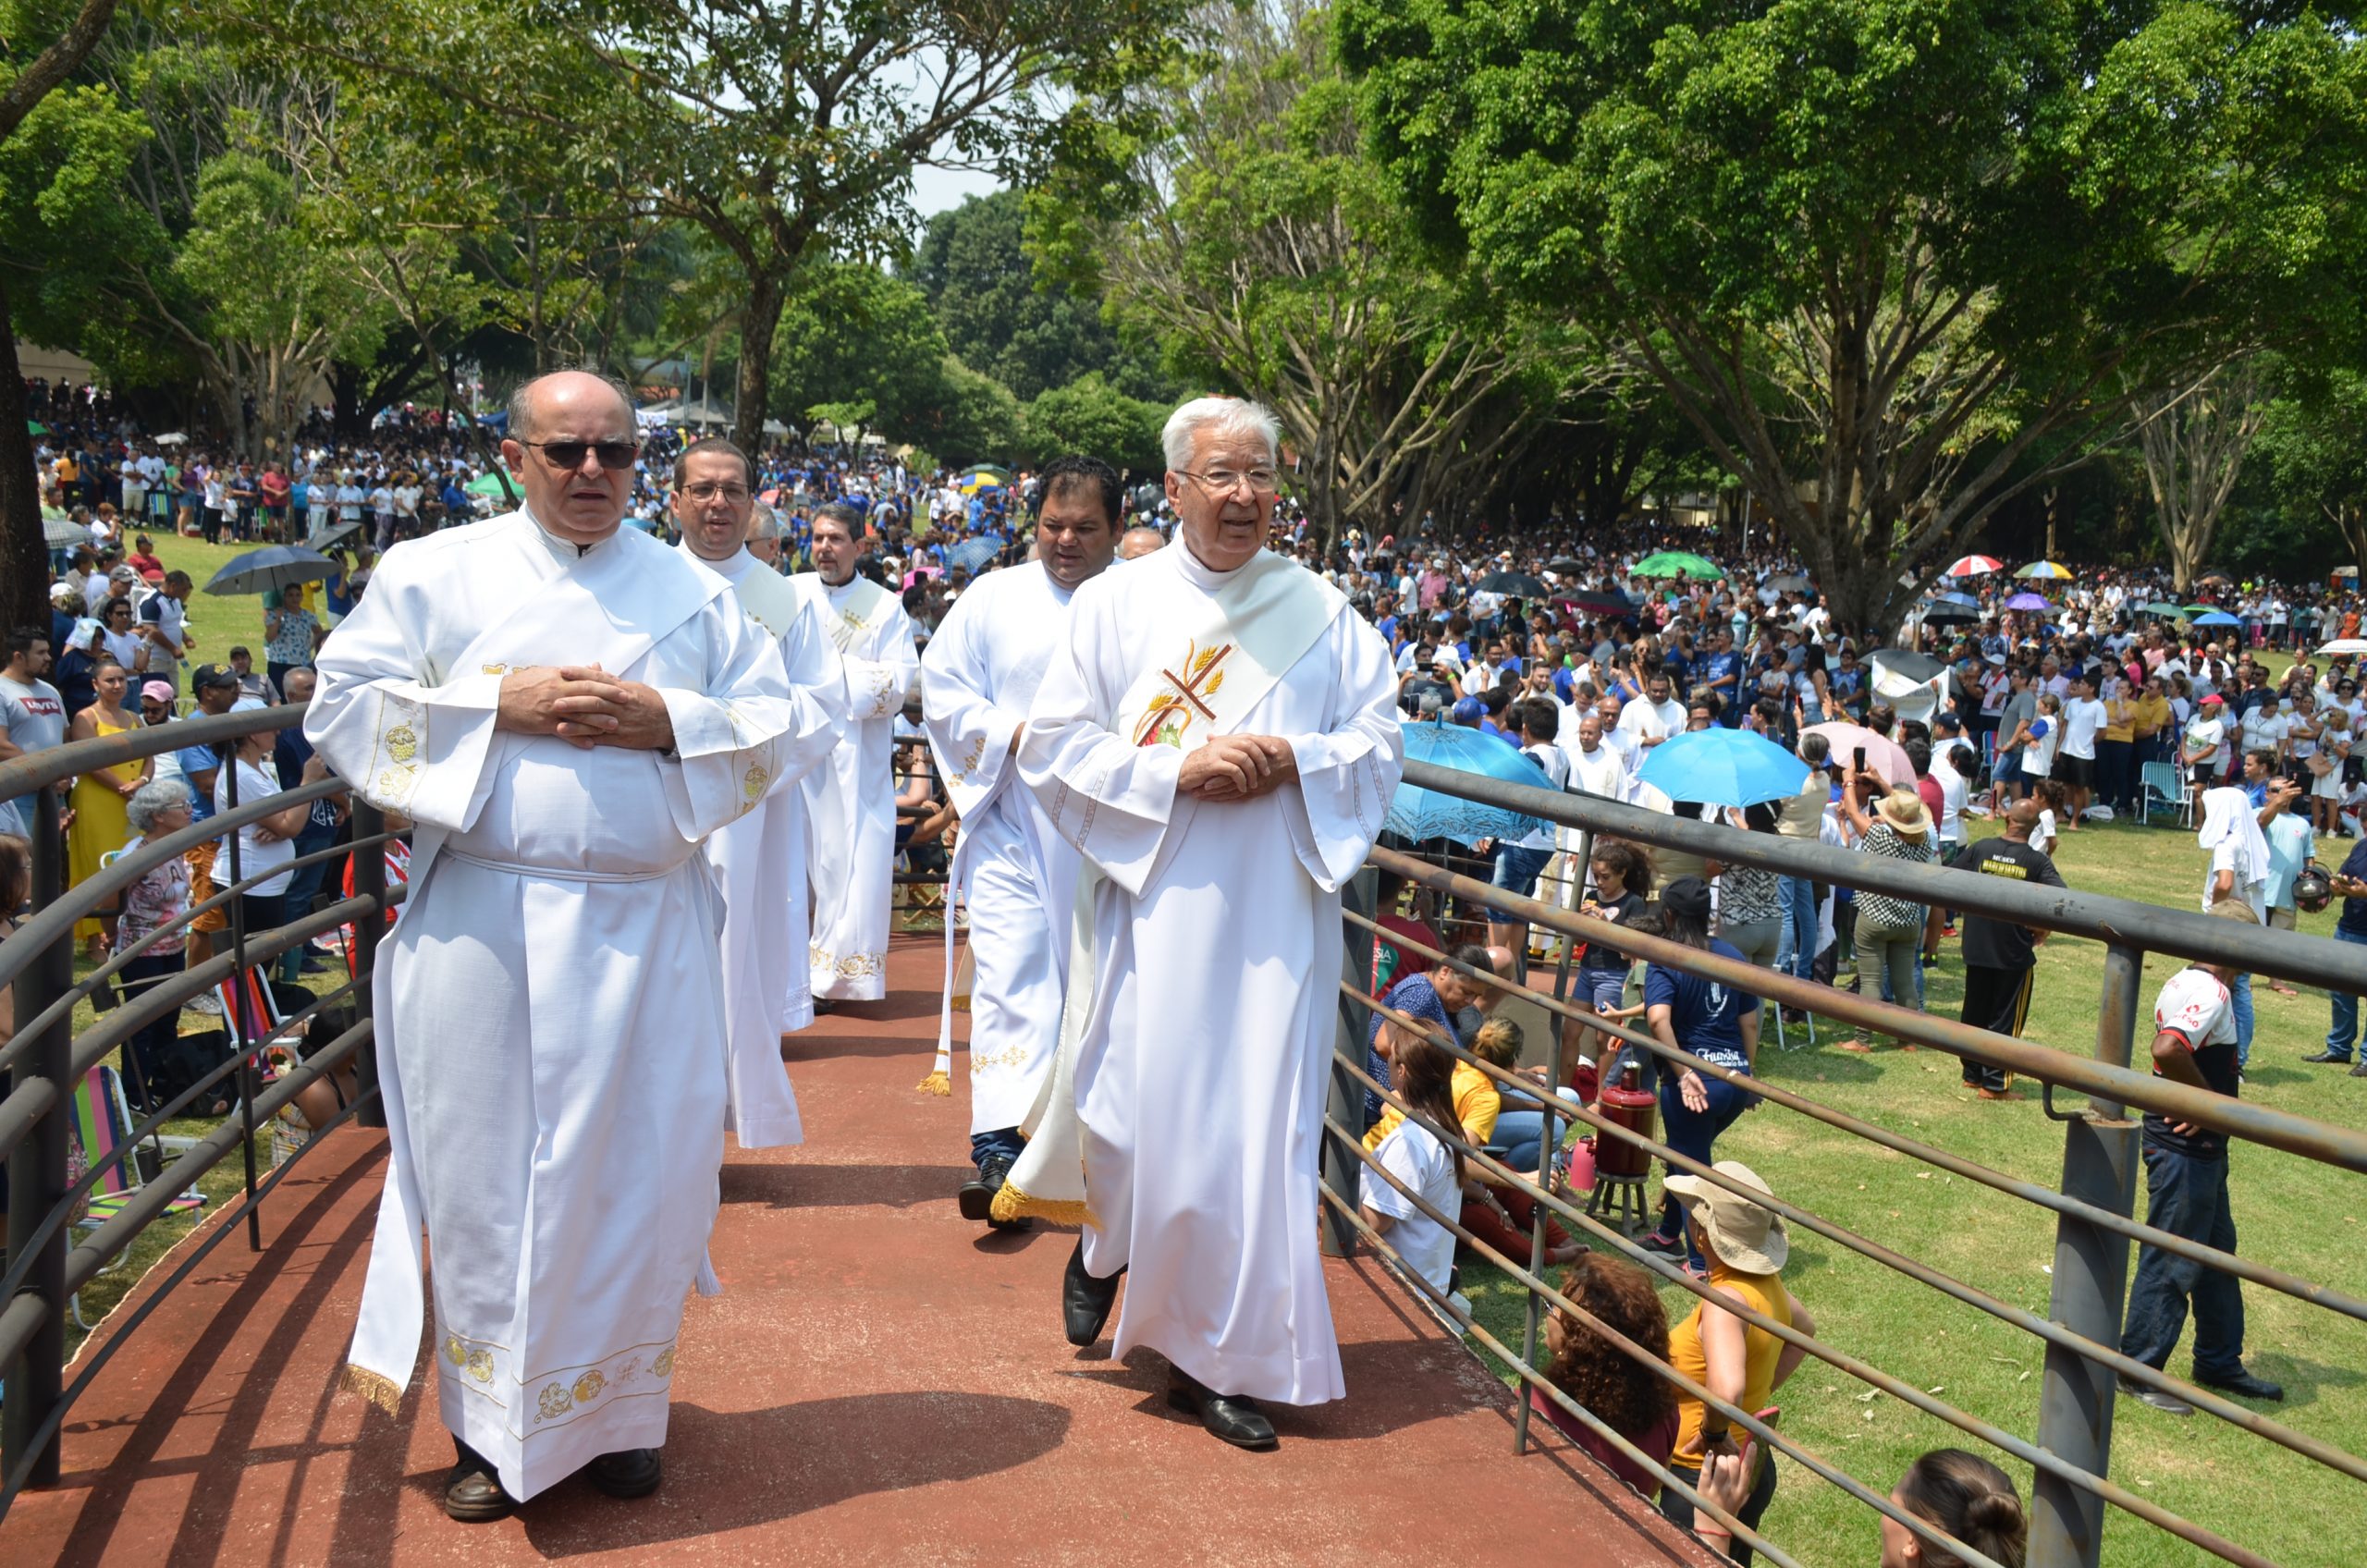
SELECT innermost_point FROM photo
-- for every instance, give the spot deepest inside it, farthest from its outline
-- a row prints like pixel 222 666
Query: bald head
pixel 536 402
pixel 2021 820
pixel 1136 543
pixel 572 446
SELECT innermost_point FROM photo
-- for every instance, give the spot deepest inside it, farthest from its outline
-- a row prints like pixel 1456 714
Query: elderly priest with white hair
pixel 565 708
pixel 1217 737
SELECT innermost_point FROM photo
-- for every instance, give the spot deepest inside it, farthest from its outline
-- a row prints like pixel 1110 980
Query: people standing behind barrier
pixel 2239 870
pixel 1740 1362
pixel 2350 925
pixel 99 825
pixel 158 808
pixel 1750 904
pixel 1799 819
pixel 1957 1493
pixel 1623 876
pixel 1620 1391
pixel 1890 930
pixel 1707 1019
pixel 2195 1042
pixel 2001 956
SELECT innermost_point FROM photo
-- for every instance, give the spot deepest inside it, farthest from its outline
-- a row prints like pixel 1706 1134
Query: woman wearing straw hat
pixel 1740 1362
pixel 1889 931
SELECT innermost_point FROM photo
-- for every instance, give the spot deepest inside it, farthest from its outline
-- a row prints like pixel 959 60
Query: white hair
pixel 1224 416
pixel 763 523
pixel 154 798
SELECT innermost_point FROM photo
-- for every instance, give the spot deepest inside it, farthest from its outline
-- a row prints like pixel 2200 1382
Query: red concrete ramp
pixel 879 1384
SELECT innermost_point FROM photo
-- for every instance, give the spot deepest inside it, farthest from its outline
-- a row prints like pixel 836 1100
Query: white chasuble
pixel 549 1007
pixel 978 678
pixel 850 801
pixel 1198 1033
pixel 759 864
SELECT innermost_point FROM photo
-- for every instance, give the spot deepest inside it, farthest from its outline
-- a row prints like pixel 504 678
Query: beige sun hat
pixel 1905 810
pixel 1748 1236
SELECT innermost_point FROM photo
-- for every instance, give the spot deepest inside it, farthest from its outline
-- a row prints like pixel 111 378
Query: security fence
pixel 2078 1337
pixel 47 1058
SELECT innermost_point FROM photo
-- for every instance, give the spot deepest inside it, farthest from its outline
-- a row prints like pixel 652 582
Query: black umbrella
pixel 1787 582
pixel 1565 566
pixel 273 565
pixel 1939 613
pixel 1909 663
pixel 1602 603
pixel 1518 584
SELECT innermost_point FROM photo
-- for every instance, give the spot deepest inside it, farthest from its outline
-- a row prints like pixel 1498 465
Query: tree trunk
pixel 767 292
pixel 24 558
pixel 2351 518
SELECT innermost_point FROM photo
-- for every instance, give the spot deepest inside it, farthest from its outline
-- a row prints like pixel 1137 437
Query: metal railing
pixel 2079 1334
pixel 46 1060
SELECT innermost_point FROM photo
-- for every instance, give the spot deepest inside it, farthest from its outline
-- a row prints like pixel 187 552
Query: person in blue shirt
pixel 1720 670
pixel 2351 882
pixel 1712 1021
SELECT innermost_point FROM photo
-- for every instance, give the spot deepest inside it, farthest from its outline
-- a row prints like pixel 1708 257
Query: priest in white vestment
pixel 564 708
pixel 850 802
pixel 759 860
pixel 979 677
pixel 1218 737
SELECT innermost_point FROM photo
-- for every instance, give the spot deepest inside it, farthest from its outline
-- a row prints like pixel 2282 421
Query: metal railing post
pixel 37 1170
pixel 236 1013
pixel 1347 1098
pixel 1549 1144
pixel 2091 1283
pixel 369 882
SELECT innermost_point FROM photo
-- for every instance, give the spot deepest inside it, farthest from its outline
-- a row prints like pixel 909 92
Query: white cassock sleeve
pixel 403 745
pixel 970 735
pixel 818 695
pixel 729 738
pixel 1112 800
pixel 1348 772
pixel 876 687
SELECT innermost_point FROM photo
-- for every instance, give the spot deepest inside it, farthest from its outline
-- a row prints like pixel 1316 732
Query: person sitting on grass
pixel 1741 1363
pixel 1957 1493
pixel 1422 1075
pixel 1624 1393
pixel 1498 1214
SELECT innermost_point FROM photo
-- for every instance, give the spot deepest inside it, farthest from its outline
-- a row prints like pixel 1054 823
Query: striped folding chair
pixel 101 1122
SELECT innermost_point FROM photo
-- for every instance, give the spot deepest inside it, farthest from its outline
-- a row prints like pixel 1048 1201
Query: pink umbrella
pixel 1974 565
pixel 1885 757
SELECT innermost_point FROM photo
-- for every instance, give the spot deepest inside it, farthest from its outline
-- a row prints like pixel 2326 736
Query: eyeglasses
pixel 735 494
pixel 613 455
pixel 1224 481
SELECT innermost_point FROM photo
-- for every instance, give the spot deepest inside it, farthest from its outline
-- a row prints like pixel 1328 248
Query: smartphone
pixel 1862 759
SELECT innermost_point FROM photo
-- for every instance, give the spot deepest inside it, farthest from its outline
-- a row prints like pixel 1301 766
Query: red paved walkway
pixel 880 1383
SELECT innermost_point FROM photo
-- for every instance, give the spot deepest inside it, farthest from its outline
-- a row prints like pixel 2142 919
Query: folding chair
pixel 2158 783
pixel 1770 1008
pixel 102 1121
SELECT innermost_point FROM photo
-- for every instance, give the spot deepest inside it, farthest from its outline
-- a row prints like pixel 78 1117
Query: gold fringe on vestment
pixel 376 1387
pixel 939 1083
pixel 1012 1202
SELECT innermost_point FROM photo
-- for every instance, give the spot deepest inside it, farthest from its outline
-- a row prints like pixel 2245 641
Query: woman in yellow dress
pixel 100 824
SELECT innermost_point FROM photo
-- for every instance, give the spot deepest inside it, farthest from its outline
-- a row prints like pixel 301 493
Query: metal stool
pixel 1618 1202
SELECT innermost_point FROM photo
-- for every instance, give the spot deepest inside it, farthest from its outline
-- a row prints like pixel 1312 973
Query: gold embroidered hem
pixel 1012 1202
pixel 938 1083
pixel 375 1387
pixel 854 966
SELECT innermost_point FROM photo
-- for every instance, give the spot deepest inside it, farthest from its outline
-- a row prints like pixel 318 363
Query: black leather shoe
pixel 473 1492
pixel 2162 1400
pixel 2243 1384
pixel 2359 1070
pixel 1085 1300
pixel 633 1472
pixel 1230 1418
pixel 977 1195
pixel 2340 1060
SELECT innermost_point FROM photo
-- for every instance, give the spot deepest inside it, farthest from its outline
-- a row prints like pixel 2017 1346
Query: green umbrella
pixel 35 427
pixel 2198 609
pixel 490 484
pixel 1677 563
pixel 2159 609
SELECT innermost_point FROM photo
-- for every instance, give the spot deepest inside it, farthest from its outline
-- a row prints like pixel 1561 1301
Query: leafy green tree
pixel 1883 255
pixel 2311 437
pixel 1089 416
pixel 851 334
pixel 1028 331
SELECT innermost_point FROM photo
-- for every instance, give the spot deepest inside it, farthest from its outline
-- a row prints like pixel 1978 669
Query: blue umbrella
pixel 1951 597
pixel 1425 813
pixel 2217 617
pixel 1723 767
pixel 972 555
pixel 273 565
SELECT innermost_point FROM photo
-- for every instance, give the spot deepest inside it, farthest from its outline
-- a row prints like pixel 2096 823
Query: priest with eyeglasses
pixel 1216 737
pixel 565 708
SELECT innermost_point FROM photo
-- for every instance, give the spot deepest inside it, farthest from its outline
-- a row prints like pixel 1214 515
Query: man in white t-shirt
pixel 1651 718
pixel 2075 760
pixel 33 715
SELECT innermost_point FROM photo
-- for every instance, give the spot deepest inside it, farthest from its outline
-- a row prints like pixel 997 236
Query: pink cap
pixel 159 690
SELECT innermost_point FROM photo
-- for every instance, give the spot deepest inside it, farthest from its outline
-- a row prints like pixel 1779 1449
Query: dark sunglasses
pixel 613 455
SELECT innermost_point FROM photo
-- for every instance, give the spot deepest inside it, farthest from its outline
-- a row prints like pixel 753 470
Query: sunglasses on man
pixel 614 455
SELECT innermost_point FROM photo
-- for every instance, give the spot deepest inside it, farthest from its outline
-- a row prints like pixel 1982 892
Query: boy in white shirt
pixel 2074 761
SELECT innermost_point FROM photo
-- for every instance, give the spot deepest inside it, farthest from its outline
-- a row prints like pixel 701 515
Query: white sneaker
pixel 205 1004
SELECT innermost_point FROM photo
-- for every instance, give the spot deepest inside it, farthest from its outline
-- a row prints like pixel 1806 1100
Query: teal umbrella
pixel 1420 814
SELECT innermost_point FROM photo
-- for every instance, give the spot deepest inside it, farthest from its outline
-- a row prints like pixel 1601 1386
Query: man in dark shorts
pixel 2000 956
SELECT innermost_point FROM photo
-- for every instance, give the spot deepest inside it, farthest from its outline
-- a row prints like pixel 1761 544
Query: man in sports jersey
pixel 2186 1192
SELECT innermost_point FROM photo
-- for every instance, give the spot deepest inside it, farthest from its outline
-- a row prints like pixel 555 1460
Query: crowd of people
pixel 940 612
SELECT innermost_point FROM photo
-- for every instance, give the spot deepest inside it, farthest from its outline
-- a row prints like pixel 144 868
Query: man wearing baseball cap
pixel 1746 1245
pixel 216 689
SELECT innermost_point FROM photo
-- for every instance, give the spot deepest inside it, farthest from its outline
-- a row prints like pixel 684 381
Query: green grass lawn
pixel 2299 1215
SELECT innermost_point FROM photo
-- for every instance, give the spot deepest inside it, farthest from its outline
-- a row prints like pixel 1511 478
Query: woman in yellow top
pixel 2116 748
pixel 101 826
pixel 2146 726
pixel 1745 1244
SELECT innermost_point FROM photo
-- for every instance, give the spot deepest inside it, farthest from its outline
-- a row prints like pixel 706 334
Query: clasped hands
pixel 584 706
pixel 1237 767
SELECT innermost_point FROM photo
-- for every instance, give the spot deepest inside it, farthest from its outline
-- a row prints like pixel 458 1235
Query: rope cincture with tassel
pixel 940 1077
pixel 374 1387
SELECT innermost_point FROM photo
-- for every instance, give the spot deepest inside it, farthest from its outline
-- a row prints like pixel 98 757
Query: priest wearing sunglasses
pixel 549 1010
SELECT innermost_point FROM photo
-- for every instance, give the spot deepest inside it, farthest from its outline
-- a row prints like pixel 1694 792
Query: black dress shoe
pixel 2162 1400
pixel 473 1492
pixel 1231 1418
pixel 977 1195
pixel 633 1472
pixel 2339 1059
pixel 2359 1070
pixel 1085 1300
pixel 2243 1384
